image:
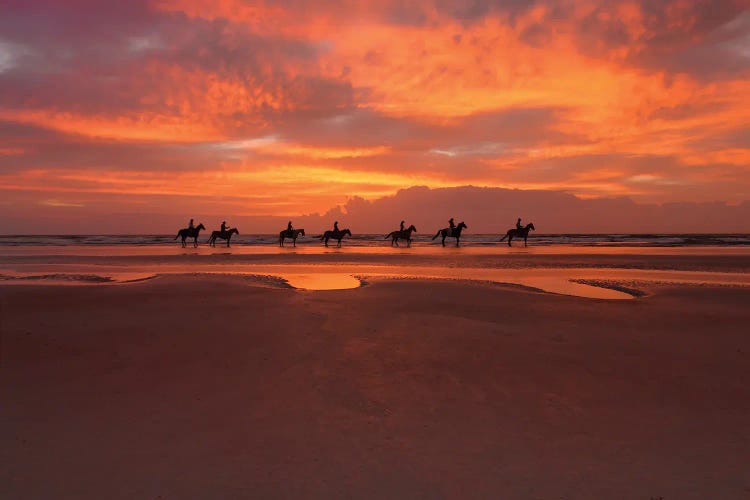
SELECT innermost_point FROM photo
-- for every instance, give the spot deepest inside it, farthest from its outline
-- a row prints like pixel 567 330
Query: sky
pixel 160 110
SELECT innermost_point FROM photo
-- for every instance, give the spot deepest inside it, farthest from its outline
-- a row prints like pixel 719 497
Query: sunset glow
pixel 293 107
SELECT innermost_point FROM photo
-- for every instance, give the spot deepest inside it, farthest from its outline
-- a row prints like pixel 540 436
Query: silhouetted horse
pixel 455 233
pixel 335 235
pixel 226 236
pixel 292 235
pixel 404 235
pixel 190 233
pixel 518 233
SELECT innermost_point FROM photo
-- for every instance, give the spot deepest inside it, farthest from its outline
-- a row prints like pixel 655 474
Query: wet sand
pixel 555 269
pixel 207 386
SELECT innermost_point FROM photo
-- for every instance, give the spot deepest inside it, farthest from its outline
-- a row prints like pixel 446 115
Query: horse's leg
pixel 458 240
pixel 443 241
pixel 510 238
pixel 525 242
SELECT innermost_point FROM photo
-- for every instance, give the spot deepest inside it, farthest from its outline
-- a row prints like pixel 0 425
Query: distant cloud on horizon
pixel 484 209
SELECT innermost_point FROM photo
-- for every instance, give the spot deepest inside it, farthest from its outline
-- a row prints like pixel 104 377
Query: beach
pixel 438 374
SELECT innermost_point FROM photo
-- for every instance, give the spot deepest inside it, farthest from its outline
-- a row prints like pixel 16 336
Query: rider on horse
pixel 336 226
pixel 224 228
pixel 402 226
pixel 519 226
pixel 289 227
pixel 191 226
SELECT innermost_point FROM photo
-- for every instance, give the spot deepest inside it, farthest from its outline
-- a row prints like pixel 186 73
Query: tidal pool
pixel 322 281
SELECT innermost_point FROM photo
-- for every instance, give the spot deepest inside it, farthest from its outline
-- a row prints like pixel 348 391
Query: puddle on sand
pixel 322 281
pixel 13 278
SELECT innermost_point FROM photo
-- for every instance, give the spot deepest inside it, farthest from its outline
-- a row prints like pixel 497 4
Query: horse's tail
pixel 389 235
pixel 506 235
pixel 437 234
pixel 178 235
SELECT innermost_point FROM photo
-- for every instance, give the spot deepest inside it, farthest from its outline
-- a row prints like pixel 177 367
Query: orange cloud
pixel 357 98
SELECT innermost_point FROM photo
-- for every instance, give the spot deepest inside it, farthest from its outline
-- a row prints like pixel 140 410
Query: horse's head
pixel 301 232
pixel 462 225
pixel 235 230
pixel 200 226
pixel 346 231
pixel 530 225
pixel 412 228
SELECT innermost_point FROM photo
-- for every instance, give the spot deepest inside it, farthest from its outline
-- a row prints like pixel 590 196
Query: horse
pixel 190 233
pixel 455 233
pixel 227 235
pixel 292 235
pixel 518 233
pixel 404 235
pixel 336 235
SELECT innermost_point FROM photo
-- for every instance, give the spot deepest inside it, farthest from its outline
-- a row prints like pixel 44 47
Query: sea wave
pixel 367 240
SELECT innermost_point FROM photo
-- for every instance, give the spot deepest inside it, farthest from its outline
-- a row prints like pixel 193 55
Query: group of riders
pixel 404 233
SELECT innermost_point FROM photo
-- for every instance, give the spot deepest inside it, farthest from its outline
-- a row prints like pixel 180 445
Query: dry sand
pixel 219 387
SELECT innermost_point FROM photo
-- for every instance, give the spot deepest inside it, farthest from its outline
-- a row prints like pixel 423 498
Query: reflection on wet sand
pixel 321 281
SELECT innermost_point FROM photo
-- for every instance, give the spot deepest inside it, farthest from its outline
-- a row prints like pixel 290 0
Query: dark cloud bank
pixel 485 210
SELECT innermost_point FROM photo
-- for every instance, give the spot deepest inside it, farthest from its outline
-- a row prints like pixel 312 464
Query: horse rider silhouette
pixel 454 232
pixel 224 228
pixel 519 233
pixel 191 226
pixel 519 226
pixel 402 225
pixel 289 227
pixel 336 226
